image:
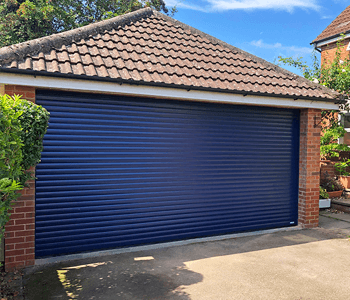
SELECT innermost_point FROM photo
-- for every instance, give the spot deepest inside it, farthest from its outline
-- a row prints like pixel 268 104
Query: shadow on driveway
pixel 305 264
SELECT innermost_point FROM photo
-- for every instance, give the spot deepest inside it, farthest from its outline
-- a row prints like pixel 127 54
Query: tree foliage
pixel 23 20
pixel 22 128
pixel 334 74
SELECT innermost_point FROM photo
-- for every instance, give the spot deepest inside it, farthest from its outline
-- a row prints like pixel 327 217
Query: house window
pixel 345 120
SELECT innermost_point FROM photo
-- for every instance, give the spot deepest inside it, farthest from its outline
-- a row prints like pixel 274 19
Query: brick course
pixel 19 250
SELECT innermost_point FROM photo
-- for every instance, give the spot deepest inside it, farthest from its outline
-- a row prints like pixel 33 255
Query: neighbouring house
pixel 338 32
pixel 159 132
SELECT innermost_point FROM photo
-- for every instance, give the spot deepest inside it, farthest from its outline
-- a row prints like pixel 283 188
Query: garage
pixel 122 171
pixel 159 132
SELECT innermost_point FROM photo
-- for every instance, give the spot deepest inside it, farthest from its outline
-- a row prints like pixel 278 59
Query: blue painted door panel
pixel 121 171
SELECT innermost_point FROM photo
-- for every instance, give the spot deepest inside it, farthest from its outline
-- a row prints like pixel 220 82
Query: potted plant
pixel 344 175
pixel 325 202
pixel 333 186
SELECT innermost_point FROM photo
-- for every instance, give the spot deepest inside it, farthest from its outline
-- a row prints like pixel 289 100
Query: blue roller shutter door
pixel 120 171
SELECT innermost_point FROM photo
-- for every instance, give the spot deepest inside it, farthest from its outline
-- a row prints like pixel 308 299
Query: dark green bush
pixel 22 128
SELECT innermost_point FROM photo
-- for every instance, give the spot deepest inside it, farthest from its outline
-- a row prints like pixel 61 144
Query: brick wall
pixel 327 166
pixel 346 139
pixel 328 51
pixel 309 168
pixel 20 230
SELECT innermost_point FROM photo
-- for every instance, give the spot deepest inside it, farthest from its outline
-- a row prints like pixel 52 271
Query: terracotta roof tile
pixel 150 48
pixel 90 42
pixel 114 53
pixel 65 68
pixel 113 72
pixel 83 49
pixel 119 63
pixel 78 69
pixel 98 61
pixel 75 57
pixel 135 75
pixel 54 66
pixel 90 70
pixel 340 24
pixel 73 48
pixel 102 71
pixel 124 73
pixel 62 57
pixel 86 59
pixel 28 62
pixel 106 37
pixel 145 76
pixel 110 45
pixel 104 52
pixel 14 64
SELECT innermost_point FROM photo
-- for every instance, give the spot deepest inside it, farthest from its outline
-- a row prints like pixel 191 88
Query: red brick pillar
pixel 309 167
pixel 20 230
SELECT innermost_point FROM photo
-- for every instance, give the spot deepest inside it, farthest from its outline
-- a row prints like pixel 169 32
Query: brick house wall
pixel 328 55
pixel 20 231
pixel 328 51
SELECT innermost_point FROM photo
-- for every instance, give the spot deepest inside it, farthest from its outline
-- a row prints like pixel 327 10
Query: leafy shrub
pixel 22 128
pixel 34 122
pixel 329 140
pixel 341 167
pixel 323 193
pixel 334 74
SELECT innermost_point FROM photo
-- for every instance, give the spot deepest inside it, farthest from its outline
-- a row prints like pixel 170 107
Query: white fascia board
pixel 156 92
pixel 326 42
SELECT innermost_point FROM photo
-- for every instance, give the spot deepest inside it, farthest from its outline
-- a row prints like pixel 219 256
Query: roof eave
pixel 166 85
pixel 329 38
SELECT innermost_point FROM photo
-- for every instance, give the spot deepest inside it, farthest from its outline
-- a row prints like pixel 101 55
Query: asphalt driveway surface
pixel 300 265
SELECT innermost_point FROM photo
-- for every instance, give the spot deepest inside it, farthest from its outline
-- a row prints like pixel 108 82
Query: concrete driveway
pixel 303 264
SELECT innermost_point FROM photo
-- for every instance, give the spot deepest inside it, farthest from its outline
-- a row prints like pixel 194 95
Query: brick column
pixel 20 230
pixel 309 168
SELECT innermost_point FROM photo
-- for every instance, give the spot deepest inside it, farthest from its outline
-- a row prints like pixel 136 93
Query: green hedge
pixel 22 129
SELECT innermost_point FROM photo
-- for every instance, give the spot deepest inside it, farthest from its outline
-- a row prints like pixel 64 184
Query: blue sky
pixel 265 28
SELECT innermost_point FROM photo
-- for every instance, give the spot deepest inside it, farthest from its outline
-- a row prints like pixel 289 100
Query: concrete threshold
pixel 65 258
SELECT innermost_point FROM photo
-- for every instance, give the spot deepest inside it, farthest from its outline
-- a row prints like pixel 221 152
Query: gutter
pixel 338 100
pixel 330 39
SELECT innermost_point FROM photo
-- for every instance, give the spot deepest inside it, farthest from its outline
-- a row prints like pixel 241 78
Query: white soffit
pixel 326 42
pixel 156 92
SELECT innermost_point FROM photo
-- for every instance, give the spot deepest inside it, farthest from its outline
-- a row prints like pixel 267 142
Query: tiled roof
pixel 147 47
pixel 341 24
